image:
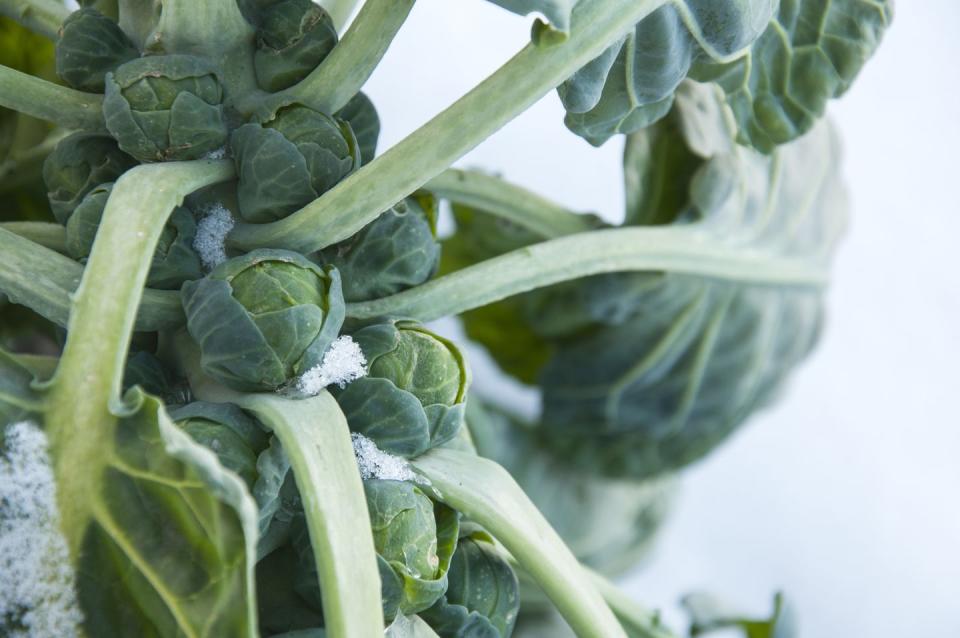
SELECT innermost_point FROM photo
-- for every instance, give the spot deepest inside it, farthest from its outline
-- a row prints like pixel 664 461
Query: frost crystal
pixel 343 362
pixel 217 153
pixel 211 236
pixel 374 463
pixel 37 594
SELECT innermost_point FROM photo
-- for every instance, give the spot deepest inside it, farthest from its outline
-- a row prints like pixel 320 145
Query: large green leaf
pixel 169 547
pixel 674 363
pixel 779 65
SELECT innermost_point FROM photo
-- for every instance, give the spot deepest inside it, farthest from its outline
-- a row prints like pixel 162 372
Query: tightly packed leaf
pixel 294 37
pixel 77 165
pixel 396 251
pixel 165 107
pixel 90 46
pixel 263 319
pixel 316 151
pixel 414 395
pixel 415 539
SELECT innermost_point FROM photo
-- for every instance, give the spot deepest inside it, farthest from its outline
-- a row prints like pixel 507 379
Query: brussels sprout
pixel 396 251
pixel 415 539
pixel 483 594
pixel 414 396
pixel 165 107
pixel 233 436
pixel 90 46
pixel 263 319
pixel 145 370
pixel 174 261
pixel 294 37
pixel 77 165
pixel 315 150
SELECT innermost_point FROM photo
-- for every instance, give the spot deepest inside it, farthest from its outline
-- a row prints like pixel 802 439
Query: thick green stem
pixel 84 396
pixel 49 101
pixel 509 201
pixel 429 150
pixel 486 493
pixel 44 281
pixel 207 27
pixel 316 439
pixel 41 16
pixel 52 236
pixel 675 249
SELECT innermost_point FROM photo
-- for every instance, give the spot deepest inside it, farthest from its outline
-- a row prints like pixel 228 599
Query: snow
pixel 374 463
pixel 343 362
pixel 37 597
pixel 218 153
pixel 212 231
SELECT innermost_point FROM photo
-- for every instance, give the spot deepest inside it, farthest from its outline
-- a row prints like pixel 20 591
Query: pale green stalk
pixel 48 101
pixel 48 235
pixel 84 395
pixel 422 155
pixel 486 493
pixel 41 16
pixel 316 439
pixel 496 196
pixel 44 281
pixel 637 621
pixel 673 249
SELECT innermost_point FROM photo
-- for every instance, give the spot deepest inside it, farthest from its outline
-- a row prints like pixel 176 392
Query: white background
pixel 847 494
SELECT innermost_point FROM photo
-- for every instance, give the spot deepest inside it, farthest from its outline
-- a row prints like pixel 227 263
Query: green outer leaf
pixel 84 398
pixel 361 115
pixel 811 52
pixel 315 436
pixel 631 85
pixel 429 150
pixel 171 543
pixel 89 46
pixel 44 280
pixel 484 492
pixel 48 101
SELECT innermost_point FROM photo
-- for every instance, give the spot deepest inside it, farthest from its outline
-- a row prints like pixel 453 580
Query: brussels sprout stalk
pixel 503 199
pixel 675 249
pixel 315 436
pixel 85 396
pixel 487 494
pixel 48 235
pixel 48 101
pixel 44 281
pixel 426 152
pixel 208 27
pixel 41 16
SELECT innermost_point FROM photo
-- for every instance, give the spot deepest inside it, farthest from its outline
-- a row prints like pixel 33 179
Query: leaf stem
pixel 48 235
pixel 340 76
pixel 48 101
pixel 676 249
pixel 44 281
pixel 40 16
pixel 315 437
pixel 498 197
pixel 426 152
pixel 486 493
pixel 340 11
pixel 637 620
pixel 84 396
pixel 210 28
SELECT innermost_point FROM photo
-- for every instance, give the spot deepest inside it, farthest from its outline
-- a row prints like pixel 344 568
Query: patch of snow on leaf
pixel 217 153
pixel 212 231
pixel 37 593
pixel 374 463
pixel 343 362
